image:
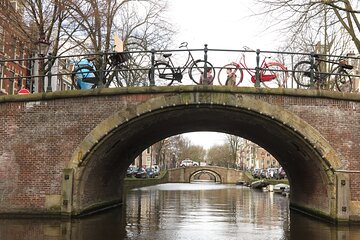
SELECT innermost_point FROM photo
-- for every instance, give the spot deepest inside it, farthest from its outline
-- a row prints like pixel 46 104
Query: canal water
pixel 185 211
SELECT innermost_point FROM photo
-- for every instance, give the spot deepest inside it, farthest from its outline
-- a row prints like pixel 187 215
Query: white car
pixel 156 169
pixel 188 163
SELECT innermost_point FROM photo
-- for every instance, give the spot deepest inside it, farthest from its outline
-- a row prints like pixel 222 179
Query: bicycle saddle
pixel 166 55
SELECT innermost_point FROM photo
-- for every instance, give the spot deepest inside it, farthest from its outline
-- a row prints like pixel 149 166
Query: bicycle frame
pixel 263 77
pixel 319 75
pixel 180 70
pixel 105 74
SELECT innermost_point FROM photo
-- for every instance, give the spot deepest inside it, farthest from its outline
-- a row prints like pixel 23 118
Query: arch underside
pixel 296 145
pixel 209 175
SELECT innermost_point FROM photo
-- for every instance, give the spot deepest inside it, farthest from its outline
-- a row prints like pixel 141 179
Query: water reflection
pixel 204 211
pixel 185 211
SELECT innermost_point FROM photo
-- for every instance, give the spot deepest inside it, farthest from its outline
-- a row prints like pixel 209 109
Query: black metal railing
pixel 32 73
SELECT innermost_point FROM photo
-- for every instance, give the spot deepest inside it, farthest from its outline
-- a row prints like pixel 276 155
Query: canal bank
pixel 132 182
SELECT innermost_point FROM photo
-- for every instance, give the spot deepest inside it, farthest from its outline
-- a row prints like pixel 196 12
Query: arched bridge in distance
pixel 213 173
pixel 66 153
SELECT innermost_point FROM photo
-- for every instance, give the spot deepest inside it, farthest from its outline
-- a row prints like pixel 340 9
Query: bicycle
pixel 272 74
pixel 307 74
pixel 116 74
pixel 165 72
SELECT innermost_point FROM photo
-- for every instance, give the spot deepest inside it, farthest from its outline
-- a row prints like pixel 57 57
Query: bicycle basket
pixel 118 58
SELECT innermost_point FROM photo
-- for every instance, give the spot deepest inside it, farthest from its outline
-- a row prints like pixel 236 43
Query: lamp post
pixel 42 46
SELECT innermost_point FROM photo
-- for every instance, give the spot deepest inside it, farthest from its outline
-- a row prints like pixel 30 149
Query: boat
pixel 281 187
pixel 259 184
pixel 240 183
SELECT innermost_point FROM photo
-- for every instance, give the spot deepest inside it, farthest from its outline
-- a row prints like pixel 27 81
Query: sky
pixel 225 24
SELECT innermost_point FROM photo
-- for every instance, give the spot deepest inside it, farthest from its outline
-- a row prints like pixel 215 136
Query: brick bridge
pixel 65 153
pixel 217 174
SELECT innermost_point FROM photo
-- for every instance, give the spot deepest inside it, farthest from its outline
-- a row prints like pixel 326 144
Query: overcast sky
pixel 225 24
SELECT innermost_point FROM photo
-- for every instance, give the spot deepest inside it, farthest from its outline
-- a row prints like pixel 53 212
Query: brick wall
pixel 39 136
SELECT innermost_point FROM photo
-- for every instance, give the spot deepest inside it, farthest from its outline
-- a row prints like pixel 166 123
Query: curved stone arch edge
pixel 213 172
pixel 330 160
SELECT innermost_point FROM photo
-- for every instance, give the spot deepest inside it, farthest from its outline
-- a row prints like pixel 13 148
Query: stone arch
pixel 217 176
pixel 310 150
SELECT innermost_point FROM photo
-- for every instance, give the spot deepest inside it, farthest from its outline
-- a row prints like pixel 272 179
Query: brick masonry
pixel 96 134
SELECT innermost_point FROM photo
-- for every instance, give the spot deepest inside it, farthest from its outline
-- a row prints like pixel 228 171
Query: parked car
pixel 156 170
pixel 141 173
pixel 150 172
pixel 130 172
pixel 281 174
pixel 188 163
pixel 256 172
pixel 271 172
pixel 263 173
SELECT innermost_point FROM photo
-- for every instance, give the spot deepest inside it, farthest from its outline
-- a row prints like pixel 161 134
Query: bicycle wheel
pixel 196 72
pixel 343 80
pixel 228 73
pixel 122 76
pixel 84 77
pixel 163 74
pixel 302 73
pixel 278 70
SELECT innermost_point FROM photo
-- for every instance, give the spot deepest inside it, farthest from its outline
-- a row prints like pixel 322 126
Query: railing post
pixel 312 72
pixel 49 87
pixel 292 75
pixel 152 73
pixel 102 69
pixel 205 80
pixel 257 69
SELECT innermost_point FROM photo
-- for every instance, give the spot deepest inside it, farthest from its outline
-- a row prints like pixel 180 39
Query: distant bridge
pixel 217 174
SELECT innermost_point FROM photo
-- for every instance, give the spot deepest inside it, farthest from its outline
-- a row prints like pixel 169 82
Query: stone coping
pixel 311 93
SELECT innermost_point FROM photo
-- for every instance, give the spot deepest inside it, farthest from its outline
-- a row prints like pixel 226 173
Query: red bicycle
pixel 272 74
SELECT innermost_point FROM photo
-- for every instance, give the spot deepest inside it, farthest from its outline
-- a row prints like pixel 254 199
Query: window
pixel 1 75
pixel 14 5
pixel 1 39
pixel 13 48
pixel 11 83
pixel 21 53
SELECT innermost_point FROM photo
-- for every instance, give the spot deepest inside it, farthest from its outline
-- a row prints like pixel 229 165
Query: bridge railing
pixel 54 72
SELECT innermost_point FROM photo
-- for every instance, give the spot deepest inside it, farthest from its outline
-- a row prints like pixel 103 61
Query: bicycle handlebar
pixel 247 48
pixel 183 44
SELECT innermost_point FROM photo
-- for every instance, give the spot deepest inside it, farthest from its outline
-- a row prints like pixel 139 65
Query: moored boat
pixel 259 184
pixel 281 187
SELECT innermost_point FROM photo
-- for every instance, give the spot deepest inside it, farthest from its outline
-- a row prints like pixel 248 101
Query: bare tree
pixel 310 18
pixel 220 155
pixel 234 144
pixel 140 25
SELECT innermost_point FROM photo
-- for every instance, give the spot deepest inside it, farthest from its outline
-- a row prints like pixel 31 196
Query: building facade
pixel 251 156
pixel 14 51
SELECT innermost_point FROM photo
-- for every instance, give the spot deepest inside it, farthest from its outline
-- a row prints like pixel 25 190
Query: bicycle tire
pixel 75 74
pixel 281 73
pixel 343 80
pixel 122 76
pixel 223 74
pixel 196 70
pixel 302 74
pixel 163 74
